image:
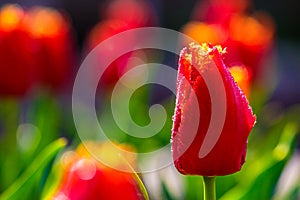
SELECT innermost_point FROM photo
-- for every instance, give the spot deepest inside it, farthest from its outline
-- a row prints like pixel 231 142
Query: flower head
pixel 84 177
pixel 17 63
pixel 54 46
pixel 228 153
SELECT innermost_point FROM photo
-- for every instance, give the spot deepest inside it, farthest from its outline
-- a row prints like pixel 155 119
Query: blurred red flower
pixel 203 32
pixel 54 50
pixel 101 32
pixel 134 12
pixel 86 178
pixel 250 41
pixel 16 50
pixel 36 48
pixel 248 38
pixel 219 11
pixel 242 77
pixel 119 16
pixel 228 154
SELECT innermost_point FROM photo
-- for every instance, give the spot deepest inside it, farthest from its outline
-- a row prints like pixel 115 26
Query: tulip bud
pixel 227 155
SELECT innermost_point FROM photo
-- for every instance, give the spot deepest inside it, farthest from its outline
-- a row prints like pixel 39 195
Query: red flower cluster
pixel 86 178
pixel 228 154
pixel 248 38
pixel 35 48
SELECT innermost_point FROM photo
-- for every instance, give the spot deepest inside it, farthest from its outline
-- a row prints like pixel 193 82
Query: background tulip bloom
pixel 119 16
pixel 242 77
pixel 248 38
pixel 84 177
pixel 133 12
pixel 220 11
pixel 54 46
pixel 250 41
pixel 228 154
pixel 36 48
pixel 101 32
pixel 204 32
pixel 16 60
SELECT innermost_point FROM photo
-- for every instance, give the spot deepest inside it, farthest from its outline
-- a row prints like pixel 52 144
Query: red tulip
pixel 250 40
pixel 205 33
pixel 86 178
pixel 228 154
pixel 242 77
pixel 119 16
pixel 134 13
pixel 219 11
pixel 101 32
pixel 16 60
pixel 54 50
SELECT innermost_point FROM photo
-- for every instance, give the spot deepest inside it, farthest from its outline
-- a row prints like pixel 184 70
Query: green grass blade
pixel 15 191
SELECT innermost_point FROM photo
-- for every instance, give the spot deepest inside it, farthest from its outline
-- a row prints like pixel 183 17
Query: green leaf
pixel 22 186
pixel 53 181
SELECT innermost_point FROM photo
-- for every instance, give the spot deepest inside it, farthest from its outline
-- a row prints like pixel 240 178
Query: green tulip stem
pixel 209 186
